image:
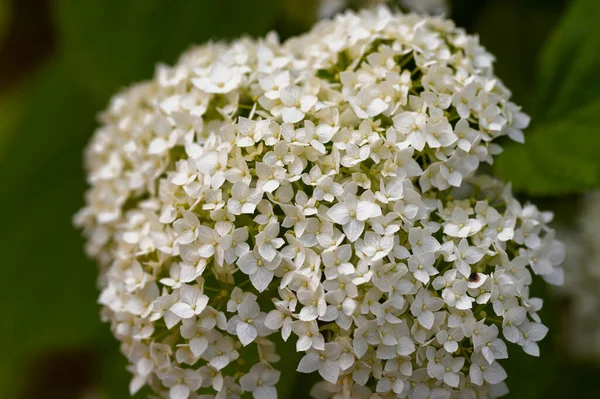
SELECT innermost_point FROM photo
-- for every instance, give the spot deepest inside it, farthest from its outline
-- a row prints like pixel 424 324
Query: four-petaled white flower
pixel 351 215
pixel 324 361
pixel 191 302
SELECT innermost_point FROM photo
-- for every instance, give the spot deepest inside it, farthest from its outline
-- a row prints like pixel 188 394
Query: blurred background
pixel 61 60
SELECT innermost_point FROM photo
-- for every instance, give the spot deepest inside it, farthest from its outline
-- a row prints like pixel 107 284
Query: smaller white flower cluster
pixel 582 280
pixel 326 190
pixel 328 8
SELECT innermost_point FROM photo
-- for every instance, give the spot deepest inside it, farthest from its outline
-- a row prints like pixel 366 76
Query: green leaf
pixel 560 155
pixel 568 70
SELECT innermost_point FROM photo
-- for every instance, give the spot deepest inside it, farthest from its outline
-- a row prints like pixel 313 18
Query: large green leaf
pixel 561 151
pixel 569 63
pixel 559 157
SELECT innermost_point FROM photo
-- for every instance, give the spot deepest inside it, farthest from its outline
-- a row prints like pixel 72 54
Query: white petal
pixel 426 319
pixel 339 214
pixel 292 114
pixel 267 251
pixel 531 348
pixel 248 308
pixel 309 363
pixel 304 343
pixel 360 346
pixel 265 392
pixel 246 333
pixel 329 370
pixel 179 391
pixel 353 229
pixel 158 146
pixel 366 210
pixel 376 107
pixel 384 385
pixel 494 374
pixel 385 352
pixel 198 345
pixel 451 379
pixel 405 346
pixel 476 374
pixel 247 263
pixel 309 313
pixel 182 310
pixel 261 279
pixel 274 320
pixel 430 244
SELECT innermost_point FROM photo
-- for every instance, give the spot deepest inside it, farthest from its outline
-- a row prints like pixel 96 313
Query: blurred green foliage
pixel 103 45
pixel 561 155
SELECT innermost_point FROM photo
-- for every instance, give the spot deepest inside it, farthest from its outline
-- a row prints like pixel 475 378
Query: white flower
pixel 466 256
pixel 375 246
pixel 261 381
pixel 191 302
pixel 269 177
pixel 181 382
pixel 355 155
pixel 531 333
pixel 314 304
pixel 296 103
pixel 280 319
pixel 513 318
pixel 390 192
pixel 260 270
pixel 267 242
pixel 439 134
pixel 481 371
pixel 459 224
pixel 243 200
pixel 187 228
pixel 368 102
pixel 422 267
pixel 351 215
pixel 423 307
pixel 421 241
pixel 220 353
pixel 324 361
pixel 487 342
pixel 327 189
pixel 308 336
pixel 412 124
pixel 247 322
pixel 457 295
pixel 221 78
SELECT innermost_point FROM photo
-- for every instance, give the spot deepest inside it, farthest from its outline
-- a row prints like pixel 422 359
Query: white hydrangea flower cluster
pixel 324 189
pixel 582 280
pixel 432 7
pixel 328 8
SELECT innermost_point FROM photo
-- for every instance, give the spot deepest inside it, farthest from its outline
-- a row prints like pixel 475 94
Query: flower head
pixel 325 189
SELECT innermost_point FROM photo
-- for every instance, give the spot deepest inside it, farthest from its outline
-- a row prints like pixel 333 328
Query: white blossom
pixel 327 189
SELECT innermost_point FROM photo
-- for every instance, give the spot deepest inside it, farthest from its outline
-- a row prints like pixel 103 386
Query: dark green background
pixel 60 62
